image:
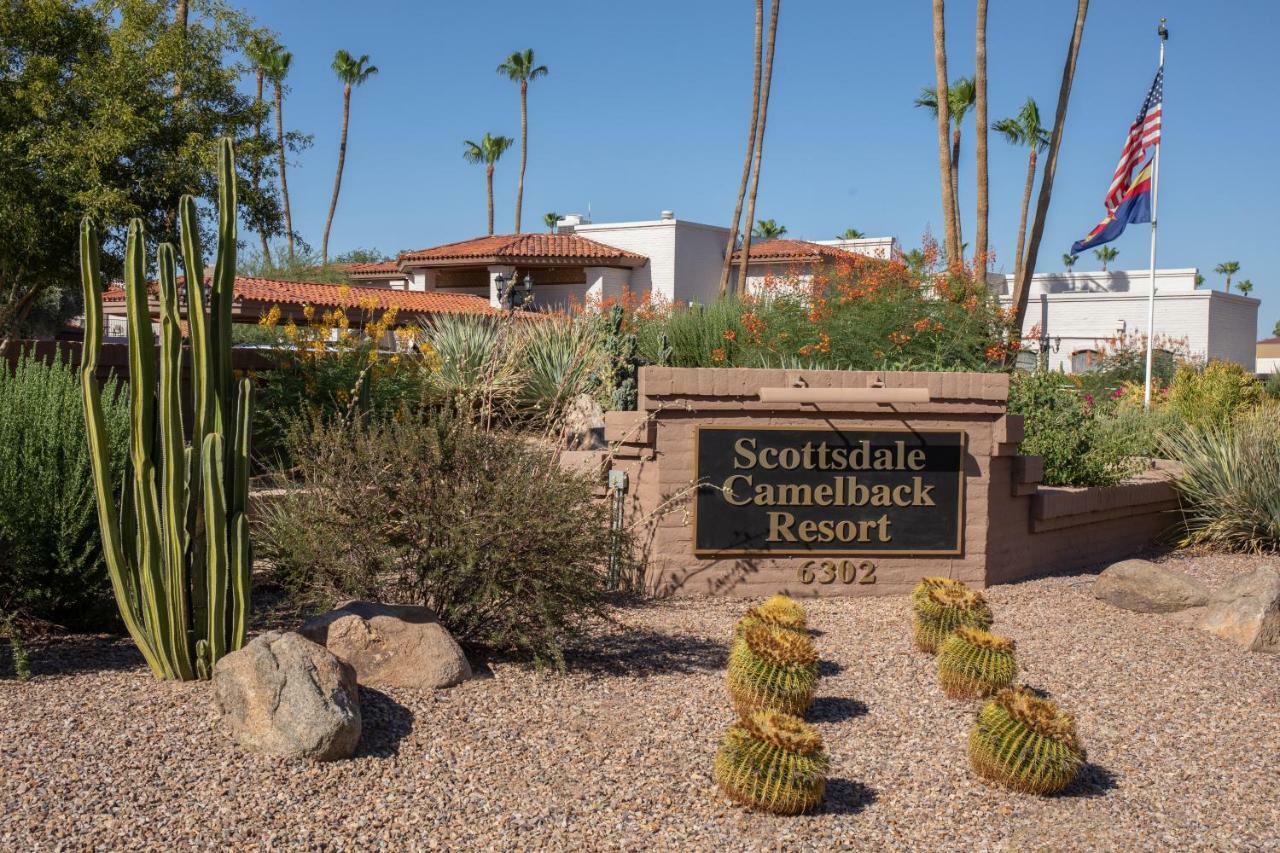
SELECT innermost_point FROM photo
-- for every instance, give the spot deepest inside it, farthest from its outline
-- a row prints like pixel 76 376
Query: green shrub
pixel 1073 432
pixel 51 564
pixel 1230 481
pixel 485 528
pixel 1213 396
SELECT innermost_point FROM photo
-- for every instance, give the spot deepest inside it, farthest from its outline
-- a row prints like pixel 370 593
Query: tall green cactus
pixel 178 549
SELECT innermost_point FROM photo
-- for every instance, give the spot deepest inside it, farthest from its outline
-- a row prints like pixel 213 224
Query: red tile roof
pixel 271 292
pixel 377 269
pixel 795 250
pixel 515 248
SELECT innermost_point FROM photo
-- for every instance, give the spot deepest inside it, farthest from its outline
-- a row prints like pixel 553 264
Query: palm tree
pixel 259 51
pixel 851 234
pixel 961 96
pixel 1245 286
pixel 942 101
pixel 1106 254
pixel 1023 285
pixel 751 150
pixel 767 229
pixel 276 67
pixel 980 104
pixel 766 81
pixel 1024 129
pixel 519 67
pixel 1227 268
pixel 550 219
pixel 1199 280
pixel 1069 261
pixel 487 151
pixel 352 72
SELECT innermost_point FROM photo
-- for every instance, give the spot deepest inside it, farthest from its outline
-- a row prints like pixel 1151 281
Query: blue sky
pixel 646 105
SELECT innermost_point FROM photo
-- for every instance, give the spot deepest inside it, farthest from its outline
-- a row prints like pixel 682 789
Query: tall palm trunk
pixel 337 179
pixel 488 181
pixel 746 161
pixel 524 147
pixel 980 143
pixel 180 16
pixel 284 181
pixel 766 83
pixel 951 234
pixel 955 184
pixel 259 76
pixel 1026 205
pixel 1023 285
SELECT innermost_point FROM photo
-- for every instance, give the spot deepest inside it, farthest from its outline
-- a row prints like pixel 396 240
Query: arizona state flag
pixel 1135 206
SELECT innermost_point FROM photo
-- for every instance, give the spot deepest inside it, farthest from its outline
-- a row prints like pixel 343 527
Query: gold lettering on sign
pixel 829 571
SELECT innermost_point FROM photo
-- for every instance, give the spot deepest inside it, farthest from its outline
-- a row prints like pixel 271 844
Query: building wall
pixel 684 257
pixel 1230 315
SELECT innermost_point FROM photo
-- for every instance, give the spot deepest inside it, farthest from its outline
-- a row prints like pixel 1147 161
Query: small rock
pixel 1247 611
pixel 391 645
pixel 1145 587
pixel 284 695
pixel 583 425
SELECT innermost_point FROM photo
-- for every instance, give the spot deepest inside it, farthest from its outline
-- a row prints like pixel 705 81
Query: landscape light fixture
pixel 507 291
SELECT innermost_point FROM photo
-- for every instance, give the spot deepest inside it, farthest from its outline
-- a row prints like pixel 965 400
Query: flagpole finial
pixel 1163 31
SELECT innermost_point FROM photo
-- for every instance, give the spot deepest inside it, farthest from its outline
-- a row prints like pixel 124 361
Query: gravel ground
pixel 1182 729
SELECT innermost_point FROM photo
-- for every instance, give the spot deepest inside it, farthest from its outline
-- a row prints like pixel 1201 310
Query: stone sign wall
pixel 738 496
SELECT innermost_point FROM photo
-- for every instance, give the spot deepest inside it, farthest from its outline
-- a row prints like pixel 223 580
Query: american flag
pixel 1143 134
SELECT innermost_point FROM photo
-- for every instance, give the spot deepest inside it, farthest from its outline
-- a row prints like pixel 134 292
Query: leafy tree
pixel 961 97
pixel 487 151
pixel 1025 129
pixel 519 67
pixel 767 229
pixel 89 125
pixel 851 234
pixel 352 72
pixel 1227 268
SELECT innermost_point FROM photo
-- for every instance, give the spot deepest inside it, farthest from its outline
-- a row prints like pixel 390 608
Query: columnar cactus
pixel 772 668
pixel 177 549
pixel 772 762
pixel 974 663
pixel 777 610
pixel 1025 743
pixel 943 609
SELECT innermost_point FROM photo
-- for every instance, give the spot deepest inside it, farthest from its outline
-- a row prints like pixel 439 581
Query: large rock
pixel 583 425
pixel 1145 587
pixel 391 645
pixel 1247 611
pixel 284 695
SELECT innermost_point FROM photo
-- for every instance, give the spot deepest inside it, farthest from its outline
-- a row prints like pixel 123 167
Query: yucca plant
pixel 974 663
pixel 177 549
pixel 772 668
pixel 777 610
pixel 468 364
pixel 943 609
pixel 772 762
pixel 1025 743
pixel 560 358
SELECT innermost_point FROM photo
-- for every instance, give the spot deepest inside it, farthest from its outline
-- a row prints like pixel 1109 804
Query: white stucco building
pixel 1075 313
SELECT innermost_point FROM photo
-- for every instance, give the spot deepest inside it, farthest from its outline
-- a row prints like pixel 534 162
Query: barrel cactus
pixel 772 668
pixel 921 591
pixel 772 762
pixel 1025 743
pixel 777 610
pixel 943 609
pixel 177 548
pixel 974 663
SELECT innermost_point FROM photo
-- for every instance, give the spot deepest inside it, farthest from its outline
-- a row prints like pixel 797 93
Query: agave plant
pixel 772 668
pixel 943 609
pixel 561 358
pixel 772 762
pixel 469 364
pixel 1025 743
pixel 974 663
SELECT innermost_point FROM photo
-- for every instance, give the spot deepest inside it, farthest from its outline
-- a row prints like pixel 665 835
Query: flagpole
pixel 1155 199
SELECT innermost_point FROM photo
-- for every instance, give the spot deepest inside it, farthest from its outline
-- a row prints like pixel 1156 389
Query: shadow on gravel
pixel 844 796
pixel 69 655
pixel 636 651
pixel 833 709
pixel 385 722
pixel 1094 781
pixel 828 668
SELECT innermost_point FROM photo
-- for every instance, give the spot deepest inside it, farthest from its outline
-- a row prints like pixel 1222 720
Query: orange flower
pixel 730 335
pixel 718 355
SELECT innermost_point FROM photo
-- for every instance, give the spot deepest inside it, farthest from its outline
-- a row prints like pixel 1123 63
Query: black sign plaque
pixel 819 490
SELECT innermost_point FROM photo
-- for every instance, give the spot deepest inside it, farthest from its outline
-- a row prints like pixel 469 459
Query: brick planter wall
pixel 1014 528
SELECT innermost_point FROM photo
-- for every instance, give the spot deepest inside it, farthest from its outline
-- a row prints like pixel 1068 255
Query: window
pixel 1085 360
